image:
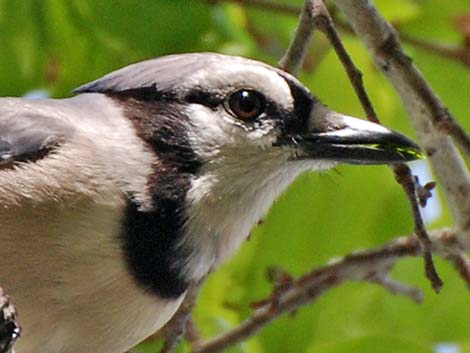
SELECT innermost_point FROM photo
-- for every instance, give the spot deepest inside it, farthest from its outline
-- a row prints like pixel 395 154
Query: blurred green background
pixel 56 45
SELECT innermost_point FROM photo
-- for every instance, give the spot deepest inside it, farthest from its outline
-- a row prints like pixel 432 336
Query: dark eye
pixel 246 104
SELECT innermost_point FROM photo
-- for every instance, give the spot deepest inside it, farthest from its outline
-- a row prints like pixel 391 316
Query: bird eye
pixel 246 104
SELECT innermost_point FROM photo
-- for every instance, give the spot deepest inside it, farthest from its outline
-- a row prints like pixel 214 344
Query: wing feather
pixel 28 137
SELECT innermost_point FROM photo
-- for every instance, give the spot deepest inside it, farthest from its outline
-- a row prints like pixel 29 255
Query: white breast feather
pixel 68 280
pixel 235 189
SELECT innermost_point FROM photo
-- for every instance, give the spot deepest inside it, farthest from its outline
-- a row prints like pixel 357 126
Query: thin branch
pixel 364 266
pixel 192 333
pixel 460 54
pixel 325 24
pixel 175 329
pixel 295 55
pixel 427 112
pixel 398 288
pixel 406 180
pixel 320 18
pixel 461 263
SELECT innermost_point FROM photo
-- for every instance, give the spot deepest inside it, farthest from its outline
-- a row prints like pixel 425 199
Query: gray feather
pixel 167 73
pixel 28 137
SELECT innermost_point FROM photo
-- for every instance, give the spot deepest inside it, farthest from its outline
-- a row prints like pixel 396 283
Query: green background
pixel 57 45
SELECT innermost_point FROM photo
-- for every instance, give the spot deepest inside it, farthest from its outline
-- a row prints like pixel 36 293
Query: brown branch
pixel 371 266
pixel 316 12
pixel 406 180
pixel 192 333
pixel 175 329
pixel 325 24
pixel 445 123
pixel 460 54
pixel 428 114
pixel 397 288
pixel 295 54
pixel 440 115
pixel 456 53
pixel 461 263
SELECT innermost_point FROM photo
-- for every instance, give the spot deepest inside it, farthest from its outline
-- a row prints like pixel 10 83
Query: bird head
pixel 230 135
pixel 222 104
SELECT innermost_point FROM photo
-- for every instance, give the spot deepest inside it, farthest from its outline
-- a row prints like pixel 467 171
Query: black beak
pixel 344 139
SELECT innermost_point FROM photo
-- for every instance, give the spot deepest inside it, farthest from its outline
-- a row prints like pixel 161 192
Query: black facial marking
pixel 163 126
pixel 143 93
pixel 204 98
pixel 148 94
pixel 151 238
pixel 303 104
pixel 153 94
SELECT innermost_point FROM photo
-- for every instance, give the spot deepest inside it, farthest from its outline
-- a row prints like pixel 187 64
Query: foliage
pixel 57 45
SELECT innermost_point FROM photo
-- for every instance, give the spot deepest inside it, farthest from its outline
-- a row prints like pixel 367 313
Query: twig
pixel 192 333
pixel 174 330
pixel 321 19
pixel 462 264
pixel 423 192
pixel 325 24
pixel 369 266
pixel 396 288
pixel 425 109
pixel 460 54
pixel 406 180
pixel 295 55
pixel 456 53
pixel 402 172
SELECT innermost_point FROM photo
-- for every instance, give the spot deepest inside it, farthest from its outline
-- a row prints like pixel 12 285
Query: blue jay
pixel 113 202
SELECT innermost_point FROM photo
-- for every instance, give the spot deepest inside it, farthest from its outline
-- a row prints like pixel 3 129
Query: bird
pixel 113 202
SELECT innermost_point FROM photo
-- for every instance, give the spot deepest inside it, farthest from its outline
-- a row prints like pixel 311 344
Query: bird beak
pixel 336 137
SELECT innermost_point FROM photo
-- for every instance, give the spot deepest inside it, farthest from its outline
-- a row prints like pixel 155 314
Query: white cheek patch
pixel 212 131
pixel 227 202
pixel 207 131
pixel 230 194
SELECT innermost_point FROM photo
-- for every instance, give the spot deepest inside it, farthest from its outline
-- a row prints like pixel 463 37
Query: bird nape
pixel 113 202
